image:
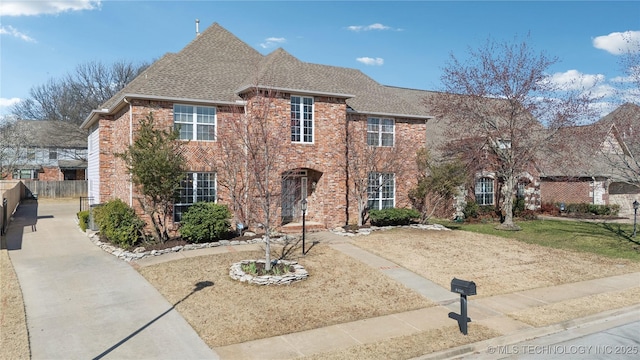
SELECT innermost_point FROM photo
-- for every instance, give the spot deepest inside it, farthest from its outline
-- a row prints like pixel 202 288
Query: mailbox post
pixel 464 288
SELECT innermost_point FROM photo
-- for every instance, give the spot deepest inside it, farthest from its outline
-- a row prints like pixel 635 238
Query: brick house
pixel 589 171
pixel 51 151
pixel 331 121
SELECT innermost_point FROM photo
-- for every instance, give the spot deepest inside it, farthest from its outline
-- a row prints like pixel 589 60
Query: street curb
pixel 611 318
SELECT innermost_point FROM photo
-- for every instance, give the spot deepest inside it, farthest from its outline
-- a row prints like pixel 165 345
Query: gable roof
pixel 626 118
pixel 216 67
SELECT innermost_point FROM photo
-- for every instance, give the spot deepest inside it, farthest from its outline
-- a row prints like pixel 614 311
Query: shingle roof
pixel 216 65
pixel 52 134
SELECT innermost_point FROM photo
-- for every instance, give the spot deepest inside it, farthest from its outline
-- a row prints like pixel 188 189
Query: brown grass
pixel 338 290
pixel 411 346
pixel 577 308
pixel 14 337
pixel 497 265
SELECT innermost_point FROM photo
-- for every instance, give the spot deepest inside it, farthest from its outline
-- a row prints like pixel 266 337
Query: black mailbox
pixel 463 287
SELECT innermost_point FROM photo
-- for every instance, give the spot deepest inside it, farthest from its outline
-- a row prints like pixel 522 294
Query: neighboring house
pixel 49 150
pixel 335 117
pixel 585 163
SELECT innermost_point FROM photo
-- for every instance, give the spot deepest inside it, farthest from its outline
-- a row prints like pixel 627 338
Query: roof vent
pixel 197 27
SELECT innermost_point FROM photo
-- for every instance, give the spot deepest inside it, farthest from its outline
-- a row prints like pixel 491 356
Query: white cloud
pixel 376 26
pixel 10 30
pixel 37 7
pixel 5 104
pixel 272 41
pixel 575 80
pixel 370 61
pixel 618 43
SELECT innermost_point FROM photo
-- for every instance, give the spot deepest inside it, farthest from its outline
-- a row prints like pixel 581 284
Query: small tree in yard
pixel 503 94
pixel 156 164
pixel 437 184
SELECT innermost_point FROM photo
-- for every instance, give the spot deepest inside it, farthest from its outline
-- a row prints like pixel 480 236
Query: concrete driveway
pixel 82 303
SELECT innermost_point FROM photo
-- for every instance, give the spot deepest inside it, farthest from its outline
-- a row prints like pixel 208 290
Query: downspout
pixel 593 191
pixel 130 143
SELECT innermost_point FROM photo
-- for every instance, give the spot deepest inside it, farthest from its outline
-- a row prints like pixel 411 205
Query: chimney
pixel 197 27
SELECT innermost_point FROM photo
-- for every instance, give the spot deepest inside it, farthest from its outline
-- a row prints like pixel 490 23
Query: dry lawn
pixel 14 337
pixel 407 347
pixel 497 265
pixel 338 290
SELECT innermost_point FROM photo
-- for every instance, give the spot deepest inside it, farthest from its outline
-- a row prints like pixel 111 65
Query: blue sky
pixel 396 43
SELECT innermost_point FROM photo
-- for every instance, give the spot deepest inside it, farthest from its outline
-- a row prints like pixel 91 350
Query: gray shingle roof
pixel 216 65
pixel 52 134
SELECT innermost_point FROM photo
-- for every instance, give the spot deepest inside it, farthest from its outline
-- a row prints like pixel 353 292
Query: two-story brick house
pixel 47 151
pixel 331 120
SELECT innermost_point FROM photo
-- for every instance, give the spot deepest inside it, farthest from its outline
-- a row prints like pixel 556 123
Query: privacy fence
pixel 56 189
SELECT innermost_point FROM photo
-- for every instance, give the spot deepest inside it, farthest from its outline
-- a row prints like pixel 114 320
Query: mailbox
pixel 463 287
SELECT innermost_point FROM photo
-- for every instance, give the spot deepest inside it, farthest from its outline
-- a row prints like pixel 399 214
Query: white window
pixel 484 191
pixel 301 119
pixel 380 132
pixel 193 188
pixel 195 122
pixel 381 190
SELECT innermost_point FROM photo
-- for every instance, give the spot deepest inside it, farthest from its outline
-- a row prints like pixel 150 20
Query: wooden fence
pixel 56 189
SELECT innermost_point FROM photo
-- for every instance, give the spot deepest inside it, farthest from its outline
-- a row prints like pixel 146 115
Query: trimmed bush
pixel 393 216
pixel 118 223
pixel 83 219
pixel 600 210
pixel 471 210
pixel 205 222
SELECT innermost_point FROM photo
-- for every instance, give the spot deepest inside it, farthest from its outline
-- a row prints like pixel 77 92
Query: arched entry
pixel 297 185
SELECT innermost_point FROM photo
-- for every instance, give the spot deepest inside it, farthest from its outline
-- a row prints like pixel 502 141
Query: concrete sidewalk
pixel 82 303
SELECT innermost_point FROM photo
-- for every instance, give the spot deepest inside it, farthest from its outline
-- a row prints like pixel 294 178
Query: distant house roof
pixel 52 134
pixel 579 151
pixel 216 67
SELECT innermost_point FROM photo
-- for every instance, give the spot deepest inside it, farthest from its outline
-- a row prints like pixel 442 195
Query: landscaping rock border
pixel 367 230
pixel 299 273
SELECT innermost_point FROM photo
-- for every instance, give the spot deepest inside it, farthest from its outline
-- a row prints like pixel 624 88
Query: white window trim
pixel 493 190
pixel 313 118
pixel 194 122
pixel 380 199
pixel 380 132
pixel 195 189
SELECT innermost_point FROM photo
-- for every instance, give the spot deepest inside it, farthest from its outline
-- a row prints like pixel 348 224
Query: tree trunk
pixel 507 205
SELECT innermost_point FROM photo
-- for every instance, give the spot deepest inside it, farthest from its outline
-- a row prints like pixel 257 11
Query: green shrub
pixel 600 210
pixel 393 216
pixel 471 210
pixel 204 222
pixel 118 223
pixel 83 219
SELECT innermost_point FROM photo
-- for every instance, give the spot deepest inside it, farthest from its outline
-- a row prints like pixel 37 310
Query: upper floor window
pixel 53 154
pixel 193 188
pixel 381 190
pixel 484 191
pixel 380 132
pixel 301 119
pixel 195 122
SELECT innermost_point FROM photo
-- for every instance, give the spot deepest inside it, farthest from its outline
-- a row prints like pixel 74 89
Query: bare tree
pixel 13 144
pixel 364 160
pixel 260 151
pixel 503 94
pixel 73 97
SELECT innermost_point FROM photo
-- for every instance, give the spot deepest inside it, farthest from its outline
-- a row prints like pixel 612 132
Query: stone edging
pixel 367 231
pixel 140 253
pixel 299 273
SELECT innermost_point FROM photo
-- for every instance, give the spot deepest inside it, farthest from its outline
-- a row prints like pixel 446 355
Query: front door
pixel 294 189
